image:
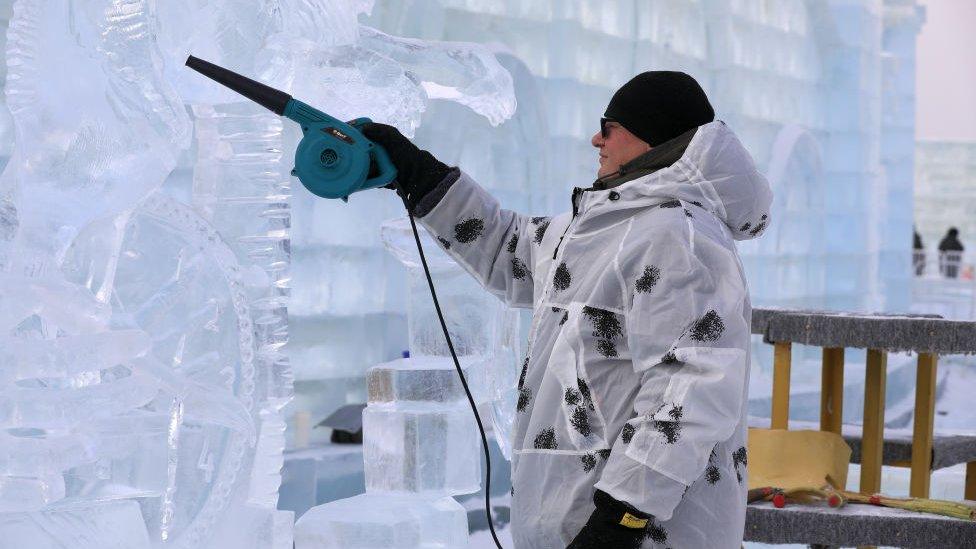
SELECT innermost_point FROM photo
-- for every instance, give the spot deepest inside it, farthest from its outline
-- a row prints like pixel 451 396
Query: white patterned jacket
pixel 637 371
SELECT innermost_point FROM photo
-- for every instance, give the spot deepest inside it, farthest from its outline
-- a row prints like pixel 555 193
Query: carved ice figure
pixel 82 155
pixel 239 168
pixel 141 369
pixel 240 187
pixel 141 328
pixel 75 384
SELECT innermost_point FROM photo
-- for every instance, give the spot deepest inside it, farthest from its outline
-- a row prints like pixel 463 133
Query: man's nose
pixel 597 140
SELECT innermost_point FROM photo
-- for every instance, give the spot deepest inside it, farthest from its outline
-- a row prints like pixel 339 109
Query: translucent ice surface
pixel 481 327
pixel 469 311
pixel 387 78
pixel 225 32
pixel 106 525
pixel 81 155
pixel 466 73
pixel 140 327
pixel 383 521
pixel 421 448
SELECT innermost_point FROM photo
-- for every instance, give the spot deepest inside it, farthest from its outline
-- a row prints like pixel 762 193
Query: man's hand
pixel 613 524
pixel 418 172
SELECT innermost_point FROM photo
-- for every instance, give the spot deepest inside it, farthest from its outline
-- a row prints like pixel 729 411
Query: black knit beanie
pixel 659 105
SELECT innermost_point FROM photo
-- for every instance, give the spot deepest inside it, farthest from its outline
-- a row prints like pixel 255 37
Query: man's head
pixel 651 108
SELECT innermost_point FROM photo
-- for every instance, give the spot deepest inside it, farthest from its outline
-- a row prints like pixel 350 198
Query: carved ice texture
pixel 74 166
pixel 143 284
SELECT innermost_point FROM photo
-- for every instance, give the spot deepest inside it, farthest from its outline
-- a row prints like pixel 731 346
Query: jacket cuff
pixel 430 200
pixel 619 512
pixel 647 490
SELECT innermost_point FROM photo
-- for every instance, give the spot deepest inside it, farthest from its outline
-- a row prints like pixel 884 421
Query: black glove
pixel 613 524
pixel 418 172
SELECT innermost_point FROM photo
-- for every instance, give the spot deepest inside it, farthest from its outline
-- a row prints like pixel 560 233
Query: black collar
pixel 658 158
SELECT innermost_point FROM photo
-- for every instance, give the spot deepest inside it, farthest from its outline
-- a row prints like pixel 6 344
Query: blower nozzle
pixel 266 96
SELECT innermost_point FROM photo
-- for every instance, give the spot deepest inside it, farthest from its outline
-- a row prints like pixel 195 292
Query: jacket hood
pixel 715 172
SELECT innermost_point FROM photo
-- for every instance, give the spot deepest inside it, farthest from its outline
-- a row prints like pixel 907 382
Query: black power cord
pixel 457 365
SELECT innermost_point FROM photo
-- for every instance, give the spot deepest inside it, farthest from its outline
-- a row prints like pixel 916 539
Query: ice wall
pixel 800 81
pixel 766 72
pixel 903 20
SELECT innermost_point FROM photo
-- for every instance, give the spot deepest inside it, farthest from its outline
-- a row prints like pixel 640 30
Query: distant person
pixel 918 254
pixel 631 427
pixel 950 253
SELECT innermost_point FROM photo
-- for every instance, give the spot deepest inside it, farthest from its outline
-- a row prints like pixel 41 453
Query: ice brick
pixel 381 521
pixel 427 379
pixel 424 448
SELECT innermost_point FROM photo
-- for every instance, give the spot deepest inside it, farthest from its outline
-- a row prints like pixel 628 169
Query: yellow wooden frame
pixel 782 359
pixel 872 437
pixel 872 432
pixel 970 492
pixel 923 431
pixel 832 390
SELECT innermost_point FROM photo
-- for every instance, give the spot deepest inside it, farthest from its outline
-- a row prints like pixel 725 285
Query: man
pixel 918 253
pixel 632 401
pixel 950 253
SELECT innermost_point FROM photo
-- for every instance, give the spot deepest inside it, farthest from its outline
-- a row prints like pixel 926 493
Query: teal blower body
pixel 333 159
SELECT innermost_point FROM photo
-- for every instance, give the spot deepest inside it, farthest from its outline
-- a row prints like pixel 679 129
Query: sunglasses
pixel 603 126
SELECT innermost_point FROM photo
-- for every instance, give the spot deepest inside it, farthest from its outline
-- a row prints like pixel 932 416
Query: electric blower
pixel 333 160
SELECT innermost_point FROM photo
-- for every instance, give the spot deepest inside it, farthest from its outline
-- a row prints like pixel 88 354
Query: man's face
pixel 617 148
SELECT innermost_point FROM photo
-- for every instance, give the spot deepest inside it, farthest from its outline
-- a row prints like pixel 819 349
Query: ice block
pixel 381 521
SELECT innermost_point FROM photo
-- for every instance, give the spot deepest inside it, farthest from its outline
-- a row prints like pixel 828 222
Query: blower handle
pixel 382 165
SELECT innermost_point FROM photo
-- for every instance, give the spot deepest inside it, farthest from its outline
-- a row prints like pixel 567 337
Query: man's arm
pixel 491 243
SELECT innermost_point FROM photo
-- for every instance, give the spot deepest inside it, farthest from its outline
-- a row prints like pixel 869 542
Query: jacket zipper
pixel 576 193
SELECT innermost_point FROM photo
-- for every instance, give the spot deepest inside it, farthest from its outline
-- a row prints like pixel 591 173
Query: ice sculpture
pixel 144 311
pixel 76 380
pixel 141 366
pixel 420 439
